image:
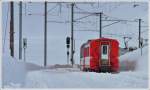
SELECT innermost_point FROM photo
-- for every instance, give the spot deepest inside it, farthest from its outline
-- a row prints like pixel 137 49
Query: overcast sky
pixel 33 27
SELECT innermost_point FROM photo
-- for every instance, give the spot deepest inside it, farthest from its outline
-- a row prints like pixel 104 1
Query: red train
pixel 100 55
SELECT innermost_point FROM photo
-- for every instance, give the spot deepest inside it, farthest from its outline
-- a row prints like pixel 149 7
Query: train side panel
pixel 94 54
pixel 114 56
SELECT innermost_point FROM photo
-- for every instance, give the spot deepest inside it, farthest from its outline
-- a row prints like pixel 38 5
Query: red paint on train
pixel 100 55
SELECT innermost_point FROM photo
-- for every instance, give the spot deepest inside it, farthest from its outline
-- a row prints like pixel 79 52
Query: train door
pixel 104 55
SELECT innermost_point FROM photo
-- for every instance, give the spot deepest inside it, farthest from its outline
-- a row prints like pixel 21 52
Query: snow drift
pixel 136 77
pixel 66 78
pixel 13 72
pixel 20 74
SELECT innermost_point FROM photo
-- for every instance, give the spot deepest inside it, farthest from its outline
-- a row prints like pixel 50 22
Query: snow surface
pixel 13 72
pixel 70 78
pixel 134 67
pixel 64 79
pixel 18 74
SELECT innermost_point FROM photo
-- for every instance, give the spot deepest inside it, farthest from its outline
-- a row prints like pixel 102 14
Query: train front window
pixel 104 52
pixel 104 49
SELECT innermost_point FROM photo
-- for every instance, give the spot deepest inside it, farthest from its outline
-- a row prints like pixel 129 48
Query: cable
pixel 40 14
pixel 114 18
pixel 83 17
pixel 110 24
pixel 118 35
pixel 127 20
pixel 67 21
pixel 52 8
pixel 51 21
pixel 79 8
pixel 5 28
pixel 88 30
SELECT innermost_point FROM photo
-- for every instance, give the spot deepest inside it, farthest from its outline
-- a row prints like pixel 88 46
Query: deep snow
pixel 13 72
pixel 66 78
pixel 20 74
pixel 134 68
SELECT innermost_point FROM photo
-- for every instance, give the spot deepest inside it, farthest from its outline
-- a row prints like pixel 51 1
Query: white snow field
pixel 17 74
pixel 73 78
pixel 13 72
pixel 65 79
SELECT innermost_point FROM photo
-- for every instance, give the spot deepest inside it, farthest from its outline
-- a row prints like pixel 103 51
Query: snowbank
pixel 63 78
pixel 142 64
pixel 60 77
pixel 13 72
pixel 32 67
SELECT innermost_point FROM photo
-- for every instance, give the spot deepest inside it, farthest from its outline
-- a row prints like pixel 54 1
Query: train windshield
pixel 104 52
pixel 105 49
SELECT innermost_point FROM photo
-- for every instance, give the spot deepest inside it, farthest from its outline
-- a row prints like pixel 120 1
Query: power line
pixel 118 35
pixel 40 14
pixel 93 30
pixel 54 21
pixel 67 21
pixel 90 14
pixel 86 12
pixel 111 19
pixel 52 8
pixel 79 8
pixel 83 17
pixel 114 18
pixel 111 24
pixel 127 20
pixel 88 30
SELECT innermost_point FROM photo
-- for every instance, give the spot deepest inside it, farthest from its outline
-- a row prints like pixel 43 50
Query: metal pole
pixel 141 51
pixel 68 56
pixel 45 35
pixel 24 46
pixel 12 28
pixel 24 54
pixel 139 32
pixel 20 30
pixel 72 33
pixel 100 25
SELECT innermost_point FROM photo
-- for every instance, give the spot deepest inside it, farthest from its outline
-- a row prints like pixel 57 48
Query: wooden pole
pixel 12 28
pixel 139 33
pixel 20 30
pixel 45 35
pixel 72 34
pixel 100 25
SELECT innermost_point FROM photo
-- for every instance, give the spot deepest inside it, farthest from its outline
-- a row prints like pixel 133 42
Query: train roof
pixel 92 40
pixel 107 39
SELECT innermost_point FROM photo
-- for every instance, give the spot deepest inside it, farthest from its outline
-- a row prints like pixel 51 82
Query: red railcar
pixel 100 55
